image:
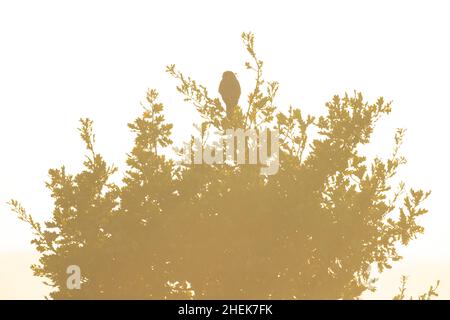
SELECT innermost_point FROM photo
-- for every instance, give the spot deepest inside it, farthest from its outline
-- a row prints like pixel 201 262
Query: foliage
pixel 216 231
pixel 432 291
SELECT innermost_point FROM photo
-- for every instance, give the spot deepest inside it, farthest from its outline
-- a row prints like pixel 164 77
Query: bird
pixel 230 90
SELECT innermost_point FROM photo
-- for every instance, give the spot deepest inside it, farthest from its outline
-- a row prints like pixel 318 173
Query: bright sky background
pixel 62 60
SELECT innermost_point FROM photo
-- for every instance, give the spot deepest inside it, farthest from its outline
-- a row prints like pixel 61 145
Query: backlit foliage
pixel 170 231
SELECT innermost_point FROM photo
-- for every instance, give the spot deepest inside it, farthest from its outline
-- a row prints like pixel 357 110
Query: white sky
pixel 60 61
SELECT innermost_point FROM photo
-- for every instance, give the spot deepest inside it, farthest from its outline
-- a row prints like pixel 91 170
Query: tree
pixel 313 230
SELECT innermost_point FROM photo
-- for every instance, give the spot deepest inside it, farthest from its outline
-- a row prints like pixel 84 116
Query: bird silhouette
pixel 230 90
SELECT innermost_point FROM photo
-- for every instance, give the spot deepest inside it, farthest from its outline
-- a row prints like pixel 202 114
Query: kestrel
pixel 230 90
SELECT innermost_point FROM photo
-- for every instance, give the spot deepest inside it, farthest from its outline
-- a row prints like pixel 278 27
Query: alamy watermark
pixel 74 279
pixel 236 147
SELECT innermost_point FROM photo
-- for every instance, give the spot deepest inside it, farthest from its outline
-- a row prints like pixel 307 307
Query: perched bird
pixel 230 90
